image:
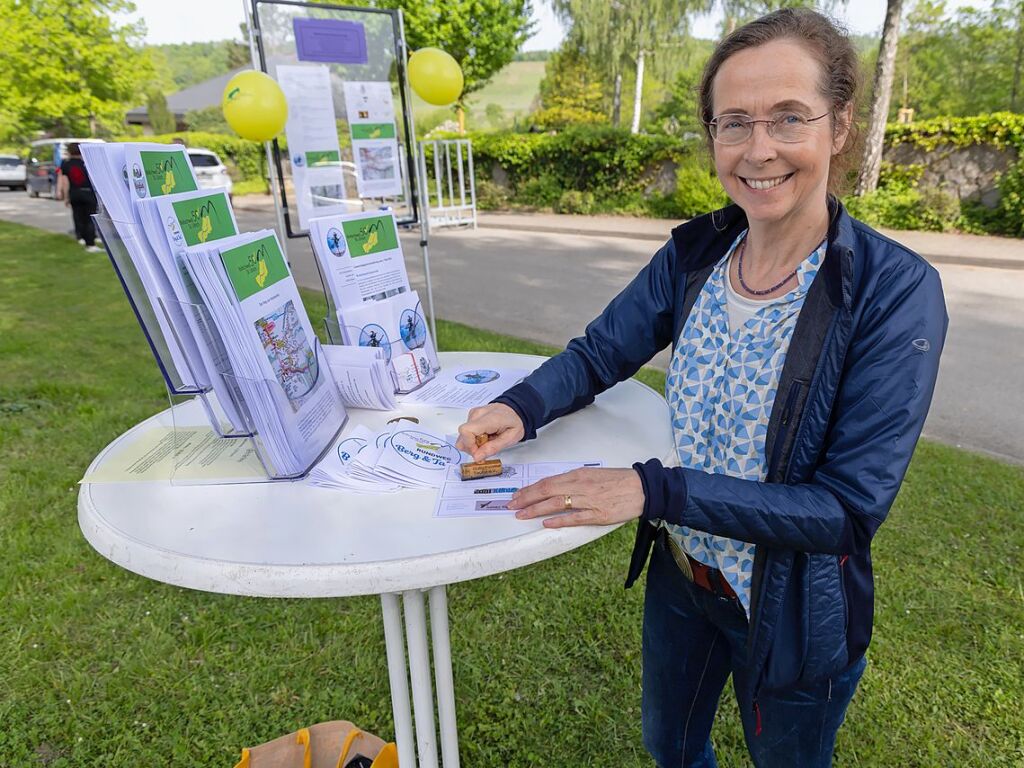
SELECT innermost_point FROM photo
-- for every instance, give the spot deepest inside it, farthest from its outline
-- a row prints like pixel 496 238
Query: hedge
pixel 592 169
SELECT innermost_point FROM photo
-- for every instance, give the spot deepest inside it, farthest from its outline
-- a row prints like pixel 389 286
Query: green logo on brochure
pixel 254 266
pixel 204 218
pixel 166 173
pixel 319 158
pixel 373 131
pixel 367 236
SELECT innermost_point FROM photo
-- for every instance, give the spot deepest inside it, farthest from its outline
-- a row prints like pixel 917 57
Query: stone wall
pixel 968 173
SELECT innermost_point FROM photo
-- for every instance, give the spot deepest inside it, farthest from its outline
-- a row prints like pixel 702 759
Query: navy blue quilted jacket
pixel 851 402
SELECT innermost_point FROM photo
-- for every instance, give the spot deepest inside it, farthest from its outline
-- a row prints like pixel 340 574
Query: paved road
pixel 545 286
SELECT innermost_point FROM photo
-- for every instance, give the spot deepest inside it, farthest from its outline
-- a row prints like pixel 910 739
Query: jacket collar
pixel 704 240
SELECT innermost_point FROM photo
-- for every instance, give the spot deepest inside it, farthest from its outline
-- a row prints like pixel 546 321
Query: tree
pixel 160 117
pixel 874 142
pixel 965 65
pixel 616 34
pixel 737 12
pixel 570 81
pixel 67 67
pixel 482 35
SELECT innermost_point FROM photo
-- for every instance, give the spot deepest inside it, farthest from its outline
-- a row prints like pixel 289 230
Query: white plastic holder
pixel 415 731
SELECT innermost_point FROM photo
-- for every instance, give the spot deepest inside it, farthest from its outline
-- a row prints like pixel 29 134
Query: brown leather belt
pixel 703 576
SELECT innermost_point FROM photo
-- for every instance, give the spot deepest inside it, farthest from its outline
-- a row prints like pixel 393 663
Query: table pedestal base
pixel 424 742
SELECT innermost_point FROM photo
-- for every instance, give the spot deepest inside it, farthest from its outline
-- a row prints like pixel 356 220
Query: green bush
pixel 1007 218
pixel 1000 129
pixel 899 206
pixel 585 168
pixel 574 201
pixel 698 191
pixel 542 192
pixel 557 118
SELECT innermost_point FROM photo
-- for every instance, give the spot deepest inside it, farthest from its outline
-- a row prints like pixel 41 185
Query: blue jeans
pixel 692 640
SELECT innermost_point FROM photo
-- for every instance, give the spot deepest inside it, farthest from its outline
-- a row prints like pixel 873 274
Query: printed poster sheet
pixel 313 141
pixel 371 120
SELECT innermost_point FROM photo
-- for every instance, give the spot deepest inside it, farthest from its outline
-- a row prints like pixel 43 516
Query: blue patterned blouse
pixel 721 386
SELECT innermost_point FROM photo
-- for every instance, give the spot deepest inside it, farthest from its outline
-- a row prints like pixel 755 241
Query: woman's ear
pixel 843 123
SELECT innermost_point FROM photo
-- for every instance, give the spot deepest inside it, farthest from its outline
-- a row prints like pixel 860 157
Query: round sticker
pixel 481 376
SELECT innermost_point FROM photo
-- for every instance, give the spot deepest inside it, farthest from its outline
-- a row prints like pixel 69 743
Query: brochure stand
pixel 181 391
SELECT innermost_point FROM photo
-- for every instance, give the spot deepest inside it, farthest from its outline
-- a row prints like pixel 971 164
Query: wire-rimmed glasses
pixel 787 127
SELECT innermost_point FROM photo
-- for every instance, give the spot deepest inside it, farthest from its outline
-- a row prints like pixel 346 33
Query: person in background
pixel 75 189
pixel 805 352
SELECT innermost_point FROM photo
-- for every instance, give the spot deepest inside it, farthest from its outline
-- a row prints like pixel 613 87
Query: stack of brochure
pixel 252 300
pixel 360 259
pixel 228 314
pixel 363 377
pixel 402 456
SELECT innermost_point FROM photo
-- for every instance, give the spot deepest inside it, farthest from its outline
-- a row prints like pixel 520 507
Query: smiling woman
pixel 798 389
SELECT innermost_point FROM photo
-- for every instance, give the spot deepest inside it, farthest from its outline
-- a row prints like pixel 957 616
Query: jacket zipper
pixel 842 587
pixel 787 413
pixel 777 443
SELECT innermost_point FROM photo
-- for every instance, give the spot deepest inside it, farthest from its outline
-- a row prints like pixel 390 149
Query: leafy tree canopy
pixel 65 65
pixel 964 64
pixel 482 35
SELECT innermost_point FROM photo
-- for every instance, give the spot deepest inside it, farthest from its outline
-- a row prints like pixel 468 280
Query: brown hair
pixel 823 39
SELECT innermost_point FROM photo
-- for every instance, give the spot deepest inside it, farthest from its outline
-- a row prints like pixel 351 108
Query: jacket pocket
pixel 827 618
pixel 809 644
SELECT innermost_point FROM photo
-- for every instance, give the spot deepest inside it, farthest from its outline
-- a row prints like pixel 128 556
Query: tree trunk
pixel 1015 88
pixel 874 143
pixel 638 92
pixel 617 100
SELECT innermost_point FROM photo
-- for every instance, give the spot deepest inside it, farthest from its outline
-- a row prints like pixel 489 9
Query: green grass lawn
pixel 101 667
pixel 513 88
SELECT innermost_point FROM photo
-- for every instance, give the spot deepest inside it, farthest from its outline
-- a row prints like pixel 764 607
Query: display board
pixel 349 142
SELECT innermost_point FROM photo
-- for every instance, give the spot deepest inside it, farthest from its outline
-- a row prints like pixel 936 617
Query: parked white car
pixel 210 171
pixel 12 172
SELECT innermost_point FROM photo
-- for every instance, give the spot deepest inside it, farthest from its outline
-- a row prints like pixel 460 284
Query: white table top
pixel 291 539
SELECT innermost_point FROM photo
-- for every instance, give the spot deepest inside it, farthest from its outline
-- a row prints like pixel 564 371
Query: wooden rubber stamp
pixel 477 469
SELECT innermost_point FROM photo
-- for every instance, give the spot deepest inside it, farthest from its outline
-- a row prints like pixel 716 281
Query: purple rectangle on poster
pixel 330 40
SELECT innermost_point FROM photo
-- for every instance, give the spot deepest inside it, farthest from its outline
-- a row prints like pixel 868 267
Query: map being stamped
pixel 290 354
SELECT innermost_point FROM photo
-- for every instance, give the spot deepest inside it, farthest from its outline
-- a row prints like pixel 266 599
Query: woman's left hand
pixel 586 496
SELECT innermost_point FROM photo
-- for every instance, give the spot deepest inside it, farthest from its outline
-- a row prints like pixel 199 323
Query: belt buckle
pixel 680 557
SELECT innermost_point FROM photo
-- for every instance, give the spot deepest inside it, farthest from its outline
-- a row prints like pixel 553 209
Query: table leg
pixel 419 668
pixel 394 641
pixel 440 638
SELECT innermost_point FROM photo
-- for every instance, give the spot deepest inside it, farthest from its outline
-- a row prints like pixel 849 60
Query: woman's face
pixel 770 180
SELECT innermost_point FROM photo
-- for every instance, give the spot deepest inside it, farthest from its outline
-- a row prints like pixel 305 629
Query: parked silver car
pixel 12 172
pixel 210 171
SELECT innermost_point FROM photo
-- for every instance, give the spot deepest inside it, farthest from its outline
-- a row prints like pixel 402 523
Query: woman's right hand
pixel 499 423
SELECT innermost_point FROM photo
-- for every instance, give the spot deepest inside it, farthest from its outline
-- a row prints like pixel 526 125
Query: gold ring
pixel 567 502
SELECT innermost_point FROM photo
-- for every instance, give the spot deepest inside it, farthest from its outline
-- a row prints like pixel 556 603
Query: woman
pixel 806 347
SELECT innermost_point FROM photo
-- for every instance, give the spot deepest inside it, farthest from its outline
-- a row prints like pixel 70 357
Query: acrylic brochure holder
pixel 186 389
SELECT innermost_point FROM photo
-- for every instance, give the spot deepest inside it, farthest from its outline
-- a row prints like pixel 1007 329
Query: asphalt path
pixel 546 286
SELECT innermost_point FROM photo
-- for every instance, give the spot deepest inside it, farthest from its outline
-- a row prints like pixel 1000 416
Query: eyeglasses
pixel 787 127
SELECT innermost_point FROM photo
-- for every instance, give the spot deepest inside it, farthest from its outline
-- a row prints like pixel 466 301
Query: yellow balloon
pixel 254 105
pixel 435 76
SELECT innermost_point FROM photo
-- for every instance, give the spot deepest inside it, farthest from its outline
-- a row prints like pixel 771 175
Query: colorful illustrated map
pixel 289 353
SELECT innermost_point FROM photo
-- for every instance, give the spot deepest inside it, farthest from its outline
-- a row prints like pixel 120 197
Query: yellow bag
pixel 335 744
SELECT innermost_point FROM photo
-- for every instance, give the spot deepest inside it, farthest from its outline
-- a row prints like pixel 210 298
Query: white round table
pixel 291 539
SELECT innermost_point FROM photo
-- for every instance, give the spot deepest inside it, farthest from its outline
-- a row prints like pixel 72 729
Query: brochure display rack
pixel 181 391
